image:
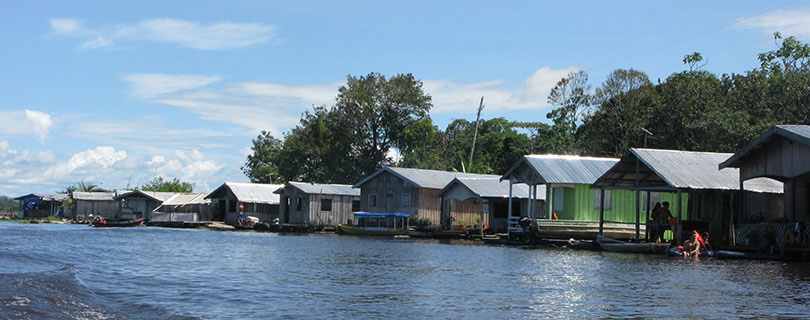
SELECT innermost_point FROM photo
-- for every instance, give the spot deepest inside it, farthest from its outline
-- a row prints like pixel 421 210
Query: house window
pixel 655 197
pixel 299 203
pixel 372 201
pixel 559 198
pixel 355 205
pixel 326 204
pixel 406 200
pixel 597 199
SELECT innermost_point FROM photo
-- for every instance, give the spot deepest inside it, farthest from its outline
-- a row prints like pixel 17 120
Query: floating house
pixel 781 153
pixel 569 196
pixel 141 204
pixel 184 207
pixel 485 201
pixel 258 199
pixel 691 182
pixel 411 191
pixel 40 205
pixel 96 204
pixel 317 205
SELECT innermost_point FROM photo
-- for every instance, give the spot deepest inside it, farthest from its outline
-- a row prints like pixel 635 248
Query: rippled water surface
pixel 78 272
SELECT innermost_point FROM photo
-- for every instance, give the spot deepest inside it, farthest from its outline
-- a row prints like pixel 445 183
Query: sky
pixel 115 93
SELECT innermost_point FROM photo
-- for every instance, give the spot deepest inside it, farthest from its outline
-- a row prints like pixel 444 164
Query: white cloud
pixel 788 22
pixel 148 85
pixel 450 96
pixel 192 34
pixel 25 122
pixel 40 123
pixel 221 35
pixel 64 26
pixel 101 156
pixel 3 147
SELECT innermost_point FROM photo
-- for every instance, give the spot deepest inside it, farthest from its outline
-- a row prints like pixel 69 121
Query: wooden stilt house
pixel 258 199
pixel 317 205
pixel 702 196
pixel 462 197
pixel 411 191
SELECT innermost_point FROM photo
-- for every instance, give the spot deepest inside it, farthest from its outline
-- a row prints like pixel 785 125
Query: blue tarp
pixel 377 214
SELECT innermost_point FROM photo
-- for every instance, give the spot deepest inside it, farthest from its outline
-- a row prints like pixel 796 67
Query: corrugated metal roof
pixel 682 170
pixel 560 169
pixel 154 195
pixel 795 132
pixel 251 192
pixel 58 197
pixel 317 188
pixel 94 196
pixel 179 199
pixel 423 178
pixel 494 188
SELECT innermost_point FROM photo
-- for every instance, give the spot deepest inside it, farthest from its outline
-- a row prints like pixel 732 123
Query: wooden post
pixel 550 199
pixel 638 195
pixel 531 203
pixel 602 212
pixel 509 205
pixel 481 225
pixel 678 229
pixel 646 227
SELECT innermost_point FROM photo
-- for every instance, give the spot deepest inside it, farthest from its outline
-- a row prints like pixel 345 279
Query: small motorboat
pixel 678 252
pixel 102 223
pixel 725 254
pixel 376 224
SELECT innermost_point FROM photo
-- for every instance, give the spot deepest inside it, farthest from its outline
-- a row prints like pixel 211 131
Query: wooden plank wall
pixel 107 209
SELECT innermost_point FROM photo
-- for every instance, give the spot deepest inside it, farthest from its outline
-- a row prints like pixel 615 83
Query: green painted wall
pixel 579 204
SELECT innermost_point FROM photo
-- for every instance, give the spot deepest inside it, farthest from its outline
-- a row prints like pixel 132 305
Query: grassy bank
pixel 46 219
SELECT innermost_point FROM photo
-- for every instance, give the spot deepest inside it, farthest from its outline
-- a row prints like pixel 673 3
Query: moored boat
pixel 613 245
pixel 101 223
pixel 678 252
pixel 376 224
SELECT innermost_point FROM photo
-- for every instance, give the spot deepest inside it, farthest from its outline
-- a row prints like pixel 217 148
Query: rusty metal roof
pixel 677 169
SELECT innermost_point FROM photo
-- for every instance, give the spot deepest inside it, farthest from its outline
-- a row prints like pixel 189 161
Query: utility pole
pixel 475 135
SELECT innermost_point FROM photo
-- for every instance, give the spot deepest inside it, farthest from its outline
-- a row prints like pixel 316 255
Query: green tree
pixel 160 184
pixel 624 104
pixel 8 205
pixel 572 98
pixel 262 165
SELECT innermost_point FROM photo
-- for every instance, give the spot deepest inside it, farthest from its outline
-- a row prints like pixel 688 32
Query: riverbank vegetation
pixel 380 121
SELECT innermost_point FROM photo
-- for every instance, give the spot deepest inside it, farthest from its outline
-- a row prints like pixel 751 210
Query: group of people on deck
pixel 663 221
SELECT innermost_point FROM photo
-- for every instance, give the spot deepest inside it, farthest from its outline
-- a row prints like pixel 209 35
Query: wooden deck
pixel 586 230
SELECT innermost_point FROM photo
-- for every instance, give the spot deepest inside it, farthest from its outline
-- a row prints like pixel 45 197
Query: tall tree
pixel 572 98
pixel 262 165
pixel 623 108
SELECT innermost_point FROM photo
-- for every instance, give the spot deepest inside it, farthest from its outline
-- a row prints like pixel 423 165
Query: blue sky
pixel 114 93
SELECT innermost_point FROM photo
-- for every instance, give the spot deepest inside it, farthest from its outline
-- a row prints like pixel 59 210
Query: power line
pixel 690 37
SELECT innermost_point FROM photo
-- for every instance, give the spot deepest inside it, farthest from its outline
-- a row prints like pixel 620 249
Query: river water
pixel 77 272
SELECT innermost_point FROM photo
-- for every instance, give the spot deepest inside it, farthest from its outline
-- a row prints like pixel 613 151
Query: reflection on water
pixel 68 271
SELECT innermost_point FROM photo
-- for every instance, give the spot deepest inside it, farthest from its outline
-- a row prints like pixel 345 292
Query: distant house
pixel 40 205
pixel 707 194
pixel 781 153
pixel 258 199
pixel 184 207
pixel 411 191
pixel 318 205
pixel 141 204
pixel 96 203
pixel 467 199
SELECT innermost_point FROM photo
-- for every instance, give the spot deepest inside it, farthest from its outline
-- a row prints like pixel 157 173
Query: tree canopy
pixel 693 109
pixel 159 184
